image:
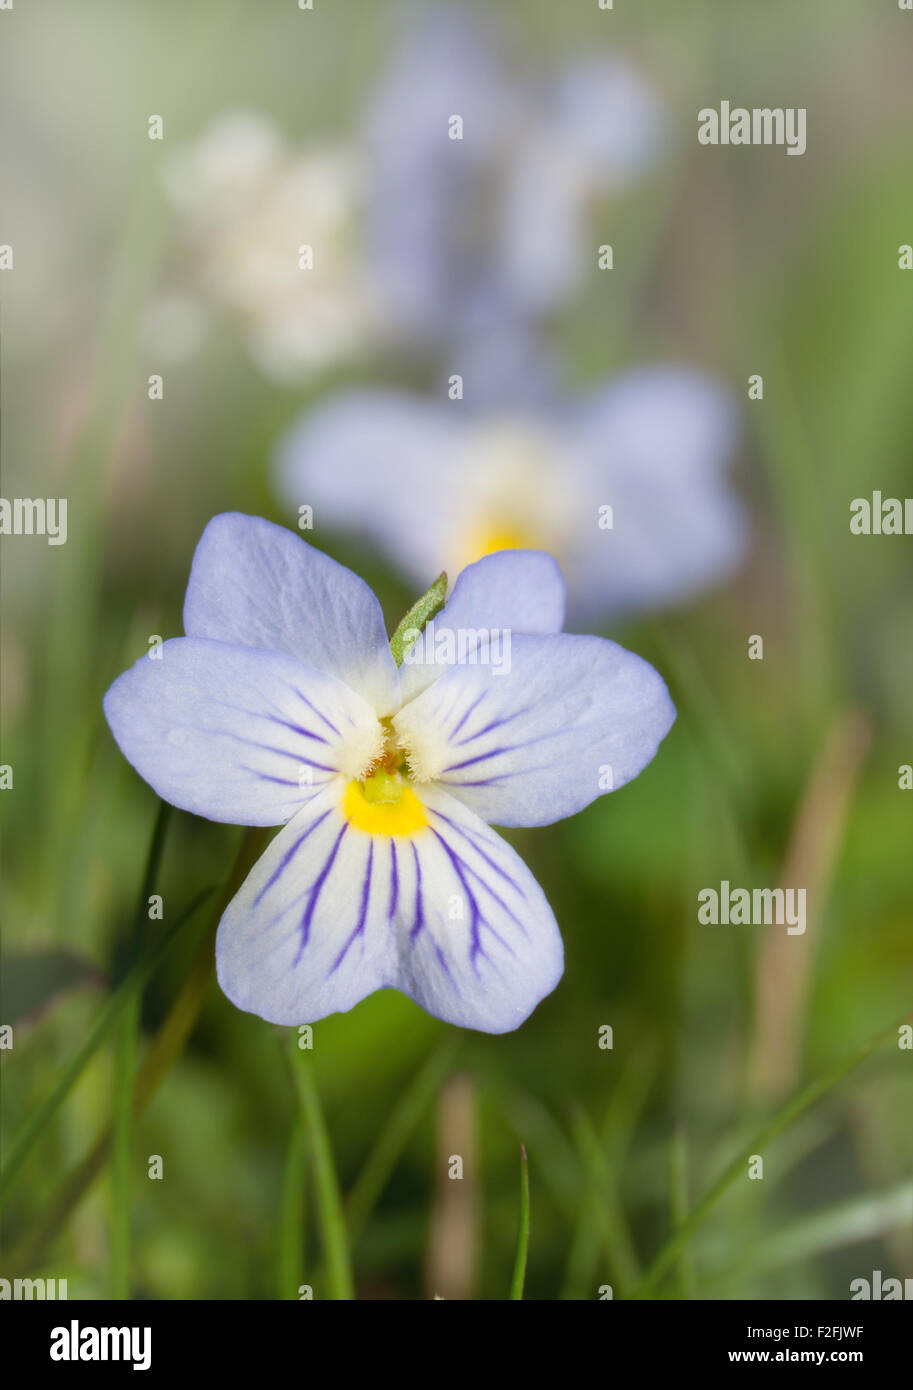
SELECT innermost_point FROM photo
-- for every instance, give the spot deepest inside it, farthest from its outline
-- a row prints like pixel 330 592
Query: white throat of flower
pixel 516 489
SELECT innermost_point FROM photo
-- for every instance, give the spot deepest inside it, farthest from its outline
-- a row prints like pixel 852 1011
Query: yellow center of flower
pixel 491 537
pixel 383 804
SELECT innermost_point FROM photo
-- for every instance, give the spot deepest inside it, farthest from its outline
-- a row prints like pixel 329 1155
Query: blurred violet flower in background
pixel 434 483
pixel 284 705
pixel 493 224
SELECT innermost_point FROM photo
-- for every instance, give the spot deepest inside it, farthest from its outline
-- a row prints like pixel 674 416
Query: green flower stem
pixel 519 1279
pixel 809 1096
pixel 329 1201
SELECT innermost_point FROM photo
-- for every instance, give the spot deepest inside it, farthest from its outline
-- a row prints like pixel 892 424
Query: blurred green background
pixel 781 770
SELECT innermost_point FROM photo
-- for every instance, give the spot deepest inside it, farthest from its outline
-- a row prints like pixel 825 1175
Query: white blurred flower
pixel 248 205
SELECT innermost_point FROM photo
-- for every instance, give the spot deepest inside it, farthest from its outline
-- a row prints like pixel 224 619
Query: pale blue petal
pixel 450 916
pixel 518 589
pixel 549 250
pixel 572 717
pixel 506 364
pixel 384 465
pixel 655 447
pixel 512 591
pixel 238 735
pixel 259 585
pixel 483 945
pixel 308 933
pixel 601 125
pixel 428 189
pixel 611 120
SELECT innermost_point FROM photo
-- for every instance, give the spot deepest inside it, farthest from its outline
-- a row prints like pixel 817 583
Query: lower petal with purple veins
pixel 446 913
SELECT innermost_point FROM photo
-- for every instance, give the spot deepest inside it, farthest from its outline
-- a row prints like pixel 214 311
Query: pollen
pixel 383 804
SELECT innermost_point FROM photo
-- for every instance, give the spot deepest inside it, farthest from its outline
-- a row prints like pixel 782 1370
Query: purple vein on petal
pixel 468 868
pixel 297 729
pixel 461 868
pixel 394 879
pixel 496 752
pixel 363 910
pixel 271 718
pixel 280 781
pixel 271 748
pixel 494 724
pixel 498 779
pixel 419 913
pixel 420 917
pixel 475 704
pixel 457 865
pixel 313 708
pixel 314 893
pixel 473 841
pixel 288 856
pixel 483 757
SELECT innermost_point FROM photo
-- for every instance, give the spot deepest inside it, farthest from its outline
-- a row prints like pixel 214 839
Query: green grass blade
pixel 863 1218
pixel 122 1134
pixel 290 1234
pixel 382 1160
pixel 329 1201
pixel 678 1211
pixel 34 1125
pixel 169 1041
pixel 165 1049
pixel 126 1040
pixel 602 1227
pixel 519 1279
pixel 815 1091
